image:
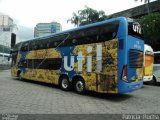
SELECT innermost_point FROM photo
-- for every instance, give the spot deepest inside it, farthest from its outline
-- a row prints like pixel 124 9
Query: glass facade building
pixel 7 27
pixel 43 29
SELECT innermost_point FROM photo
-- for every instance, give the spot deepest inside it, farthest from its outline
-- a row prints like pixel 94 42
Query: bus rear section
pixel 148 62
pixel 131 63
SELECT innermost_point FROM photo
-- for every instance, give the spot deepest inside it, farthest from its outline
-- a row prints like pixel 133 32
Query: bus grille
pixel 135 58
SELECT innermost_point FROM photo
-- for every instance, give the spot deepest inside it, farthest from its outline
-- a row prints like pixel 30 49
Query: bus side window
pixel 41 45
pixel 38 45
pixel 51 44
pixel 47 45
pixel 35 47
pixel 105 37
pixel 55 44
pixel 30 46
pixel 51 64
pixel 67 42
pixel 74 41
pixel 57 63
pixel 114 35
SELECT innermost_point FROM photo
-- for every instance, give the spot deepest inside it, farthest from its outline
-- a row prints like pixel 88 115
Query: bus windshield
pixel 135 30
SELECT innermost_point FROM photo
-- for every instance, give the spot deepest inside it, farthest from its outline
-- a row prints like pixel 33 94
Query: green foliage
pixel 87 16
pixel 151 26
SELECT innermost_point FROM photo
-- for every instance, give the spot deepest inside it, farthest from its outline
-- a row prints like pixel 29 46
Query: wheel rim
pixel 79 86
pixel 65 83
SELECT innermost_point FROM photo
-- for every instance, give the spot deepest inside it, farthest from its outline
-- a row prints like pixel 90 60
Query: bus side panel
pixel 104 80
pixel 108 79
pixel 35 71
pixel 68 60
pixel 42 75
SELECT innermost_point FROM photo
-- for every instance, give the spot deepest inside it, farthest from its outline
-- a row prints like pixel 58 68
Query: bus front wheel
pixel 79 85
pixel 64 83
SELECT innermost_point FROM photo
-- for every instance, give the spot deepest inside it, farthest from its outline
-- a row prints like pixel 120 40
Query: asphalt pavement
pixel 27 97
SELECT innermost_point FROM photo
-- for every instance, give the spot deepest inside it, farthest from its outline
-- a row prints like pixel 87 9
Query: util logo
pixel 81 58
pixel 137 28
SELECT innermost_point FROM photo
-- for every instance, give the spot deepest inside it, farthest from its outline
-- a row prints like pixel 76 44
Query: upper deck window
pixel 95 34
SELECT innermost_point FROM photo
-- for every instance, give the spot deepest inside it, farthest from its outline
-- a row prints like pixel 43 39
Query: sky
pixel 27 13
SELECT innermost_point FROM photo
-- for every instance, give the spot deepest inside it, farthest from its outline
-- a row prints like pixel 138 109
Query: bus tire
pixel 64 83
pixel 79 85
pixel 154 81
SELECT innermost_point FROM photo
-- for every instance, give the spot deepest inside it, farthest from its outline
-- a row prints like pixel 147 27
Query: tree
pixel 75 19
pixel 87 16
pixel 151 26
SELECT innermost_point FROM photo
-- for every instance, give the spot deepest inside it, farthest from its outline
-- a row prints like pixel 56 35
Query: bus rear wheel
pixel 79 85
pixel 64 83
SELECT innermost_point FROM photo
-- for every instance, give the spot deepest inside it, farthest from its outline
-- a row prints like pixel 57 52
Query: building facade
pixel 43 29
pixel 5 20
pixel 7 28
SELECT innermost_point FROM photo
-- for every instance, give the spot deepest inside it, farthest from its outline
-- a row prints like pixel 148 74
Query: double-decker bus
pixel 105 57
pixel 148 61
pixel 156 67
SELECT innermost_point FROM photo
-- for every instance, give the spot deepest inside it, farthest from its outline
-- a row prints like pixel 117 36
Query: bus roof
pixel 82 27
